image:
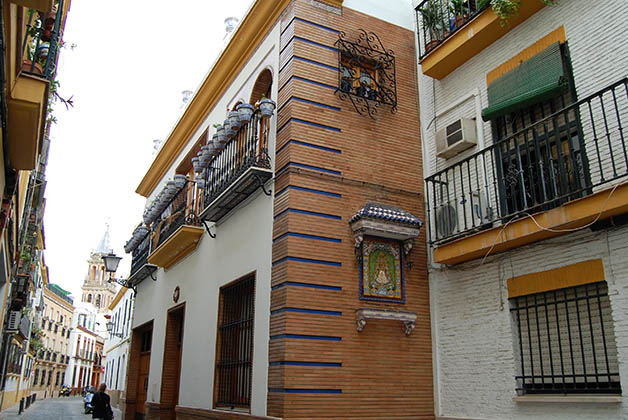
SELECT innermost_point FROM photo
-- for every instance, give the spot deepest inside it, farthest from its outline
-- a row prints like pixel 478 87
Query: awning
pixel 539 78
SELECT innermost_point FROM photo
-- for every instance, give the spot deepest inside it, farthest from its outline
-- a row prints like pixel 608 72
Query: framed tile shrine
pixel 381 270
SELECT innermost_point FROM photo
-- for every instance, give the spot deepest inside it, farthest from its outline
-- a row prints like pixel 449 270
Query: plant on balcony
pixel 234 119
pixel 505 9
pixel 266 106
pixel 221 136
pixel 245 112
pixel 434 22
pixel 460 10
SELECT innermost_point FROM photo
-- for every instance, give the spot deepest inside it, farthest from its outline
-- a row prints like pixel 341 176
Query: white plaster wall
pixel 476 361
pixel 243 245
pixel 397 12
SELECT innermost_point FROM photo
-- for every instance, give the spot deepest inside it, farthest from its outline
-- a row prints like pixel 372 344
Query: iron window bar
pixel 566 342
pixel 235 366
pixel 565 154
pixel 366 73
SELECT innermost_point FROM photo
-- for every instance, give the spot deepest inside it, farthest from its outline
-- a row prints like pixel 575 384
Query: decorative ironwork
pixel 366 73
pixel 542 163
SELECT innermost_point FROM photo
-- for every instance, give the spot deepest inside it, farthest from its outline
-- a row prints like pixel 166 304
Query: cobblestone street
pixel 70 408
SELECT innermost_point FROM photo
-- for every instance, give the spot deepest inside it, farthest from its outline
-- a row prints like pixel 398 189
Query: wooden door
pixel 142 380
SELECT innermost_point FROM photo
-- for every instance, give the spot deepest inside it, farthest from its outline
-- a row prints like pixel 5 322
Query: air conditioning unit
pixel 14 321
pixel 446 221
pixel 482 211
pixel 456 137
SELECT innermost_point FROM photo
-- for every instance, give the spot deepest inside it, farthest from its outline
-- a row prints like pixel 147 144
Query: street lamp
pixel 111 261
pixel 110 330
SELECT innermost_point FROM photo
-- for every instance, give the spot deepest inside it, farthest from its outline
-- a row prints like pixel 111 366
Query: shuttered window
pixel 566 341
pixel 535 80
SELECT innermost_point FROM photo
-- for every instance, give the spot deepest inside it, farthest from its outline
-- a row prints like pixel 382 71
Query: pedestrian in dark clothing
pixel 101 404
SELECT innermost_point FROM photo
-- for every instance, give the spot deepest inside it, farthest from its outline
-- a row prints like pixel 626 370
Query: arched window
pixel 263 86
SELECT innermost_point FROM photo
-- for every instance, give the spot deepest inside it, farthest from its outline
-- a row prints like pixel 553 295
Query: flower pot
pixel 267 107
pixel 245 111
pixel 179 180
pixel 234 119
pixel 42 51
pixel 201 184
pixel 206 152
pixel 172 187
pixel 222 137
pixel 30 67
pixel 229 131
pixel 196 164
pixel 46 34
pixel 431 44
pixel 211 147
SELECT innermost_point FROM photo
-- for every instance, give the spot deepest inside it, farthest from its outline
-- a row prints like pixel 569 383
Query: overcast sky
pixel 131 62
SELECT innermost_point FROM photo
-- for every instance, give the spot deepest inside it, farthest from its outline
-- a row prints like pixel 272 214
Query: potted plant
pixel 266 106
pixel 234 119
pixel 218 144
pixel 196 164
pixel 433 23
pixel 505 9
pixel 460 12
pixel 179 180
pixel 229 130
pixel 245 111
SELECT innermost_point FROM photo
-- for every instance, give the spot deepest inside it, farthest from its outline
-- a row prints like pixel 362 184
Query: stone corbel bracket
pixel 408 318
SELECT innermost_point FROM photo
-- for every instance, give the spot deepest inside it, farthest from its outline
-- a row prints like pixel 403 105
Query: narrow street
pixel 70 408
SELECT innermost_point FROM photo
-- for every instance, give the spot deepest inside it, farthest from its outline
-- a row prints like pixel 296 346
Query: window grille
pixel 566 341
pixel 234 366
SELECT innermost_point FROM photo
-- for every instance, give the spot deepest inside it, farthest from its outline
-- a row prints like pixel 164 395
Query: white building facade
pixel 527 287
pixel 118 344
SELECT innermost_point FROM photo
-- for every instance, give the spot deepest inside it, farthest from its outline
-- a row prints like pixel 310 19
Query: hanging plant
pixel 505 9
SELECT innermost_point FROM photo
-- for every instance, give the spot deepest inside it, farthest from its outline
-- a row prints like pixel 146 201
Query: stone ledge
pixel 586 399
pixel 213 414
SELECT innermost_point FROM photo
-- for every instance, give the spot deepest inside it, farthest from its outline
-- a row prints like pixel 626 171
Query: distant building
pixel 53 356
pixel 89 322
pixel 118 344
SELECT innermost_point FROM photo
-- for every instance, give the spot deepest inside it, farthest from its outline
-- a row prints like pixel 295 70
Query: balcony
pixel 238 170
pixel 450 32
pixel 140 268
pixel 36 70
pixel 176 231
pixel 567 169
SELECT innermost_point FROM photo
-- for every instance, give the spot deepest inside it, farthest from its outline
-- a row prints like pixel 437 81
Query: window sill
pixel 586 399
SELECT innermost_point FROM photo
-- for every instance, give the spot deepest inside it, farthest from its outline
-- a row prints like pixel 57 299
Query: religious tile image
pixel 381 272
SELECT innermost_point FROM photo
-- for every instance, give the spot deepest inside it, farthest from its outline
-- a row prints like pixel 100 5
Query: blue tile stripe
pixel 305 391
pixel 318 44
pixel 309 167
pixel 306 311
pixel 301 363
pixel 307 101
pixel 306 337
pixel 306 236
pixel 318 25
pixel 308 213
pixel 312 82
pixel 312 145
pixel 308 261
pixel 307 60
pixel 307 285
pixel 310 190
pixel 311 123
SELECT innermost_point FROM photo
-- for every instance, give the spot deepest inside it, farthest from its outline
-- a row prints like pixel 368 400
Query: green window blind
pixel 539 78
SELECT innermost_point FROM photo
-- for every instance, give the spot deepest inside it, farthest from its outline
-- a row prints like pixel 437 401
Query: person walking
pixel 101 404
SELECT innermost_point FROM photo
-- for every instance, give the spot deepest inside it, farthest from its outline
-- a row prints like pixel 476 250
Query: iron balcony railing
pixel 180 211
pixel 248 148
pixel 437 20
pixel 140 254
pixel 568 154
pixel 42 40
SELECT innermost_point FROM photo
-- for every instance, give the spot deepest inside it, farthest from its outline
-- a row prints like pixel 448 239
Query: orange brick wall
pixel 324 368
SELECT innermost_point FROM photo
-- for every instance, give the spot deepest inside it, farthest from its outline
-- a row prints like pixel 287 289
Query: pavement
pixel 64 408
